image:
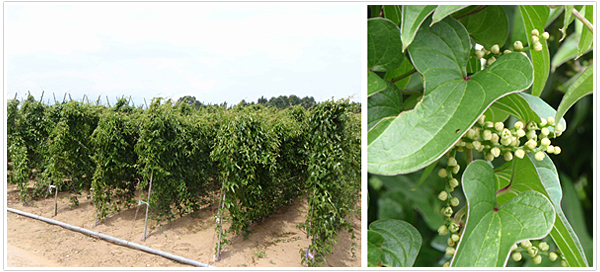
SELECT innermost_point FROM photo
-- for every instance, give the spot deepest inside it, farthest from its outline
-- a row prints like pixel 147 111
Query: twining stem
pixel 469 156
pixel 396 79
pixel 585 22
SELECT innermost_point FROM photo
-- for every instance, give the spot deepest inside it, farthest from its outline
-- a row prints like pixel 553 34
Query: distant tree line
pixel 280 102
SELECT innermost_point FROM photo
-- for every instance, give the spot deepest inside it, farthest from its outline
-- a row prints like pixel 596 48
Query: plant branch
pixel 396 79
pixel 469 156
pixel 583 20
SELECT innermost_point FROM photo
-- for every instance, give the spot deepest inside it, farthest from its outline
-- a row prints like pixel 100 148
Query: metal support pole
pixel 148 206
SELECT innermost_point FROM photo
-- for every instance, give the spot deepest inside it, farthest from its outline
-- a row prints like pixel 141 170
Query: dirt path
pixel 274 242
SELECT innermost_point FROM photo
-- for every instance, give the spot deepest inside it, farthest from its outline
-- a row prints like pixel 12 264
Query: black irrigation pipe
pixel 112 239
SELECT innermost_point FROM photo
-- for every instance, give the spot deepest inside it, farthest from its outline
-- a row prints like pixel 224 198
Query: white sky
pixel 215 52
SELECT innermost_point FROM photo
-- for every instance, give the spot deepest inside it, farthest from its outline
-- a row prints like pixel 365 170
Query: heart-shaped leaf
pixel 534 17
pixel 583 86
pixel 384 45
pixel 374 251
pixel 522 175
pixel 452 102
pixel 527 107
pixel 412 18
pixel 488 27
pixel 384 104
pixel 402 242
pixel 442 11
pixel 491 230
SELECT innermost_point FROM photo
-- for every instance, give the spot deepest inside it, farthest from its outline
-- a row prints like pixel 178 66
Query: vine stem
pixel 469 156
pixel 583 20
pixel 396 79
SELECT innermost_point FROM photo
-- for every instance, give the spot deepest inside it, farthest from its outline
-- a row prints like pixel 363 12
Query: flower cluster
pixel 535 44
pixel 535 252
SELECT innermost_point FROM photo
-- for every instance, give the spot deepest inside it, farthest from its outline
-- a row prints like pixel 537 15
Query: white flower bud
pixel 456 169
pixel 518 46
pixel 506 141
pixel 532 251
pixel 559 127
pixel 545 142
pixel 443 173
pixel 557 150
pixel 537 259
pixel 489 157
pixel 452 161
pixel 519 153
pixel 520 133
pixel 450 242
pixel 453 182
pixel 515 141
pixel 450 251
pixel 455 237
pixel 479 54
pixel 526 244
pixel 545 131
pixel 508 156
pixel 443 196
pixel 552 256
pixel 537 46
pixel 454 201
pixel 535 32
pixel 495 49
pixel 471 134
pixel 550 149
pixel 489 124
pixel 543 246
pixel 481 119
pixel 531 134
pixel 477 145
pixel 540 156
pixel 495 138
pixel 545 35
pixel 453 227
pixel 499 126
pixel 517 256
pixel 442 230
pixel 564 263
pixel 446 264
pixel 469 146
pixel 535 39
pixel 491 61
pixel 447 211
pixel 550 120
pixel 518 125
pixel 487 135
pixel 543 122
pixel 507 51
pixel 531 144
pixel 495 151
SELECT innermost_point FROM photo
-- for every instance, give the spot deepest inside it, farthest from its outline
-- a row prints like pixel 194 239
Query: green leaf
pixel 527 108
pixel 393 204
pixel 376 83
pixel 554 13
pixel 574 212
pixel 583 86
pixel 450 105
pixel 568 19
pixel 392 12
pixel 528 174
pixel 374 251
pixel 491 229
pixel 566 51
pixel 442 11
pixel 375 10
pixel 412 18
pixel 534 17
pixel 488 27
pixel 402 242
pixel 495 114
pixel 585 42
pixel 384 104
pixel 473 65
pixel 385 47
pixel 401 72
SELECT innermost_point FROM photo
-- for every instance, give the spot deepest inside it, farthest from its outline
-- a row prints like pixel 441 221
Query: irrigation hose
pixel 112 239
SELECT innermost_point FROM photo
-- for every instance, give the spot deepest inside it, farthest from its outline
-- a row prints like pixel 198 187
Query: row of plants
pixel 255 159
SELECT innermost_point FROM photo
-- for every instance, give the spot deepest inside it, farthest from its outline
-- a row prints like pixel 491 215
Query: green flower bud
pixel 518 125
pixel 508 156
pixel 506 141
pixel 443 173
pixel 532 125
pixel 491 61
pixel 455 237
pixel 479 54
pixel 545 35
pixel 543 246
pixel 453 227
pixel 452 161
pixel 471 134
pixel 495 49
pixel 545 141
pixel 487 135
pixel 453 182
pixel 559 127
pixel 495 151
pixel 557 150
pixel 550 149
pixel 481 119
pixel 543 122
pixel 545 131
pixel 519 153
pixel 446 264
pixel 531 134
pixel 507 51
pixel 531 144
pixel 499 126
pixel 520 133
pixel 489 157
pixel 535 39
pixel 539 156
pixel 517 256
pixel 563 263
pixel 469 146
pixel 443 196
pixel 537 259
pixel 514 247
pixel 537 46
pixel 454 201
pixel 450 251
pixel 442 230
pixel 489 124
pixel 518 46
pixel 451 242
pixel 550 120
pixel 506 133
pixel 552 256
pixel 535 32
pixel 456 169
pixel 495 138
pixel 515 141
pixel 447 211
pixel 532 251
pixel 526 244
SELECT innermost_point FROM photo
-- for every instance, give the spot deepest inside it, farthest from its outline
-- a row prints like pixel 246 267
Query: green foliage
pixel 489 104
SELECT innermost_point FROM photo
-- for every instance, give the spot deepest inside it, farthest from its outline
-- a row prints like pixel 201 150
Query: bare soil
pixel 274 242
